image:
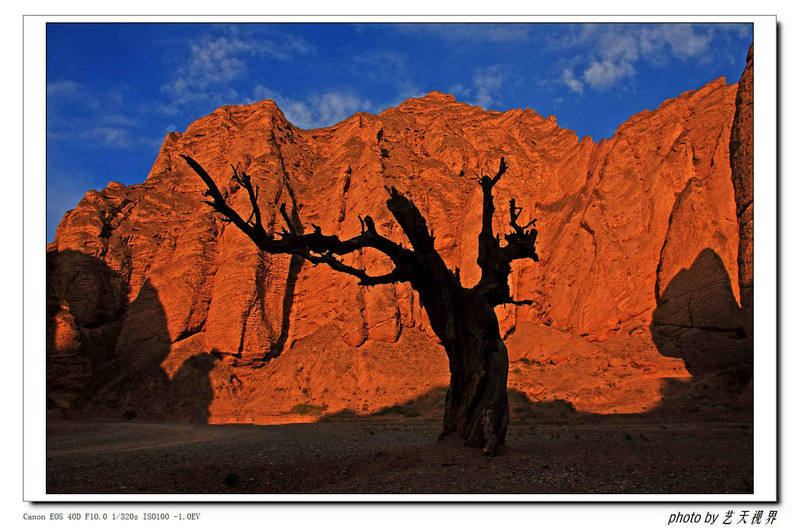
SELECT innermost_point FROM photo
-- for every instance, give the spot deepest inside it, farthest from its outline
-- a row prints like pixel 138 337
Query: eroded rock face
pixel 742 175
pixel 157 307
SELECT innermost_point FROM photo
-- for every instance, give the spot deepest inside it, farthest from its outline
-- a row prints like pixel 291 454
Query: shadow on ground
pixel 684 446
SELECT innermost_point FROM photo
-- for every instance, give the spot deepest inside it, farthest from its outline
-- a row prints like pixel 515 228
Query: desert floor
pixel 384 454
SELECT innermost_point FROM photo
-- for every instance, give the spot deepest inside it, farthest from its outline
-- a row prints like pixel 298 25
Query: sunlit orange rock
pixel 167 312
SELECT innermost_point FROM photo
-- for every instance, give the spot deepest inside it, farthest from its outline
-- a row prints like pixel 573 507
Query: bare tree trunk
pixel 463 318
pixel 476 408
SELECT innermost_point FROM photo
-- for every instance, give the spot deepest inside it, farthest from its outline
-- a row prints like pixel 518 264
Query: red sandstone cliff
pixel 156 307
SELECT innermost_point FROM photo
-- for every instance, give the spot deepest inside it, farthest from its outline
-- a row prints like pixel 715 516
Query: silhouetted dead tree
pixel 463 318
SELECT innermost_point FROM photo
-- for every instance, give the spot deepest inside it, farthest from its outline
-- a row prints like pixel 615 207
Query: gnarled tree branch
pixel 494 260
pixel 397 275
pixel 315 247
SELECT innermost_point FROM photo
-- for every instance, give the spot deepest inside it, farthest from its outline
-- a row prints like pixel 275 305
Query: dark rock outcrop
pixel 742 176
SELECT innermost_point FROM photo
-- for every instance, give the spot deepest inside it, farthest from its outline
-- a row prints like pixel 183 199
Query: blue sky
pixel 115 90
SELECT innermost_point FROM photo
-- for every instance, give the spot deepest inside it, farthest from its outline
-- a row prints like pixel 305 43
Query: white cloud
pixel 216 61
pixel 610 52
pixel 602 75
pixel 99 135
pixel 285 47
pixel 652 42
pixel 110 136
pixel 740 30
pixel 614 46
pixel 471 33
pixel 485 85
pixel 335 107
pixel 211 64
pixel 299 114
pixel 460 90
pixel 685 40
pixel 63 88
pixel 574 84
pixel 408 89
pixel 487 82
pixel 503 33
pixel 96 118
pixel 264 93
pixel 321 110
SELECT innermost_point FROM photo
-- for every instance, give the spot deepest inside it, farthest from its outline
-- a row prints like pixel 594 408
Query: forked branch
pixel 315 247
pixel 494 260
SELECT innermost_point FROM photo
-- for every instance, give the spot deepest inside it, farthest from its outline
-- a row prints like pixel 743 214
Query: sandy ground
pixel 375 455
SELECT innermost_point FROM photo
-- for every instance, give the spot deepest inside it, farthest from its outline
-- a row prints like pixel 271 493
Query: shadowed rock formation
pixel 699 321
pixel 742 176
pixel 107 356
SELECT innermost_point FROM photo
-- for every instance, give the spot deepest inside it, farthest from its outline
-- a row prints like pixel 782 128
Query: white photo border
pixel 765 260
